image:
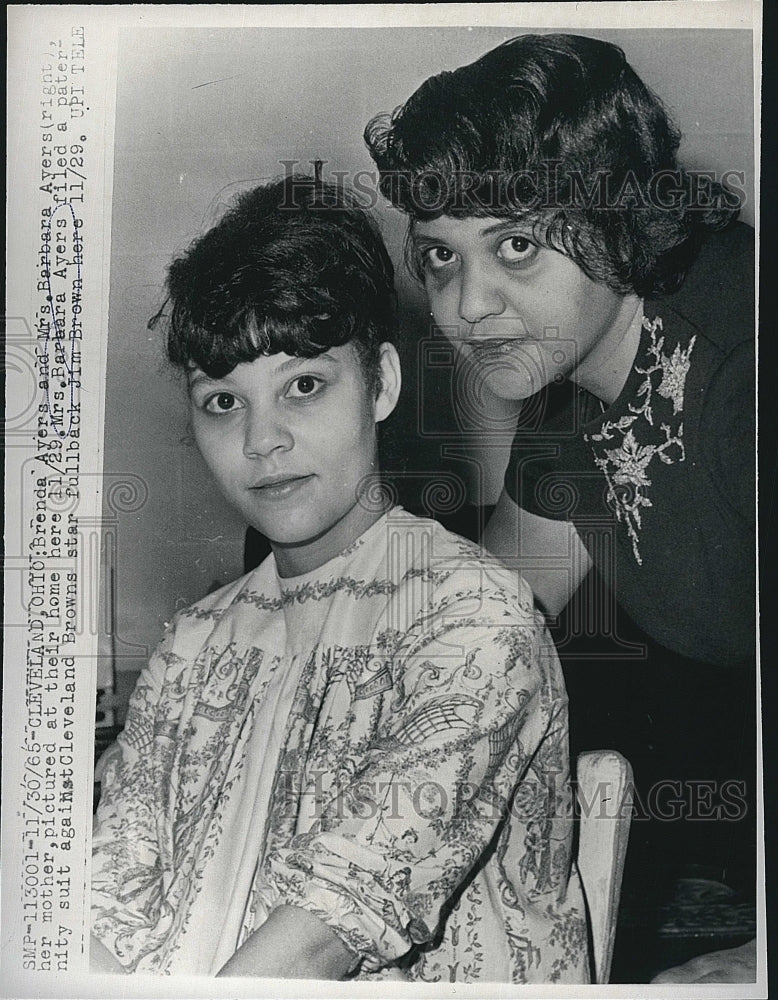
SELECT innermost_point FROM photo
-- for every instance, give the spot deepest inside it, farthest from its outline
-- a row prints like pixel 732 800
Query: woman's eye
pixel 303 385
pixel 437 257
pixel 222 402
pixel 516 249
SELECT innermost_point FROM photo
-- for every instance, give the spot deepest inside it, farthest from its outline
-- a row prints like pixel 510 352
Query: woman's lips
pixel 279 488
pixel 494 348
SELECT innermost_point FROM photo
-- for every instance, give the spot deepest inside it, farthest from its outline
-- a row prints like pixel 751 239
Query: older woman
pixel 578 269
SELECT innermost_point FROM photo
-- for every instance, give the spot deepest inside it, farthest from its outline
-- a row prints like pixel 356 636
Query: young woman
pixel 352 761
pixel 578 269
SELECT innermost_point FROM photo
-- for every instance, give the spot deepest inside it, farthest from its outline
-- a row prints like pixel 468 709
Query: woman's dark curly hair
pixel 557 130
pixel 294 266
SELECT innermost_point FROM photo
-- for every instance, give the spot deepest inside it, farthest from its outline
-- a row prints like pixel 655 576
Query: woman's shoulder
pixel 454 567
pixel 259 582
pixel 717 295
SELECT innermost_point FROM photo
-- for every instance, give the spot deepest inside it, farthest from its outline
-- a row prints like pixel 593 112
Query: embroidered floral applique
pixel 674 372
pixel 626 466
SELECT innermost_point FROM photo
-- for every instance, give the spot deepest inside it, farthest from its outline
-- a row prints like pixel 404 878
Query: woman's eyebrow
pixel 425 240
pixel 420 240
pixel 504 226
pixel 292 363
pixel 196 376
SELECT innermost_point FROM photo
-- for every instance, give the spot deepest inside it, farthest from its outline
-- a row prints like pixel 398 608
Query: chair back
pixel 604 780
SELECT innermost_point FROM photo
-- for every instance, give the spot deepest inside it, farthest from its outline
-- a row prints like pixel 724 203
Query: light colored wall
pixel 204 113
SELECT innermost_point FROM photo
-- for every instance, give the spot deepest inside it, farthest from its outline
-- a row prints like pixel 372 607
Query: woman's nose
pixel 266 432
pixel 479 296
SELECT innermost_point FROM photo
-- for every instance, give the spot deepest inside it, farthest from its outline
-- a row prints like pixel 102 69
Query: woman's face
pixel 524 314
pixel 290 441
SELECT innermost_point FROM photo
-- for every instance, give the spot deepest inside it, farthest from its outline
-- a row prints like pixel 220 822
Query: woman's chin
pixel 512 386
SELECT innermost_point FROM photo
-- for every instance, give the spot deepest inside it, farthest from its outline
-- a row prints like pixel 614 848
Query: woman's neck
pixel 305 557
pixel 604 371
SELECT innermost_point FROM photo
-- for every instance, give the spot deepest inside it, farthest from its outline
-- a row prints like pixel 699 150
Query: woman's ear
pixel 391 382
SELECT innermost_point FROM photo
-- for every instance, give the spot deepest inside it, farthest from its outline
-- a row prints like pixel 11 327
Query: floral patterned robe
pixel 382 742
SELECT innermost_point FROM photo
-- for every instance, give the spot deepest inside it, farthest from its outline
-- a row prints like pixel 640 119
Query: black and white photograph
pixel 381 501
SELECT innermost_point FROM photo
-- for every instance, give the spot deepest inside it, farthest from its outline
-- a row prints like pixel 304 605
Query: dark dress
pixel 658 644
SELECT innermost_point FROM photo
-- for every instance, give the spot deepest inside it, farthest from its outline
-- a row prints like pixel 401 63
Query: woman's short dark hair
pixel 294 266
pixel 560 131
